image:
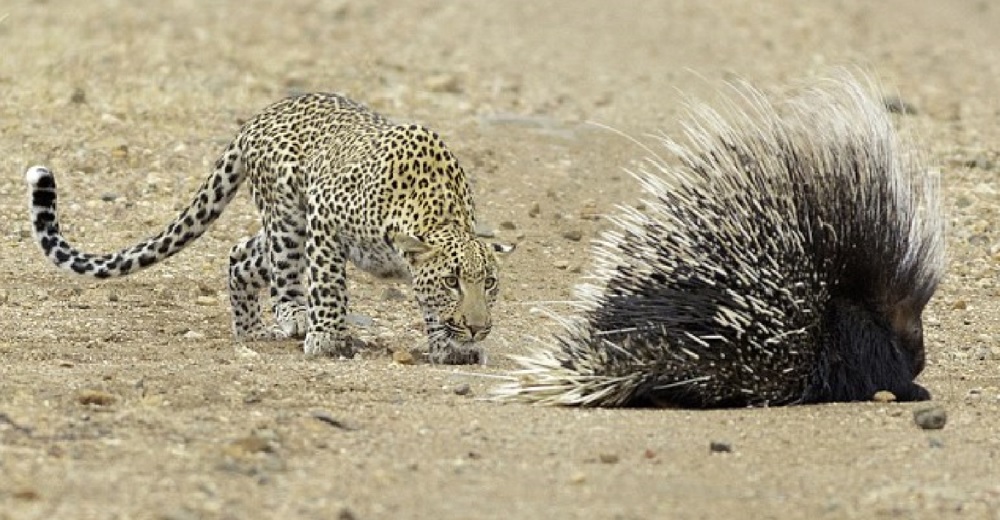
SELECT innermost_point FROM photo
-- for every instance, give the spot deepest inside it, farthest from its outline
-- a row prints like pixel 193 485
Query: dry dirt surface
pixel 129 399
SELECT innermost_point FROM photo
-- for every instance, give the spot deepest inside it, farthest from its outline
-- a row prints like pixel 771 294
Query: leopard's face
pixel 457 284
pixel 455 278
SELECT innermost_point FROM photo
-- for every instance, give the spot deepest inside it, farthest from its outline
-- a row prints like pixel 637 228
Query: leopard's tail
pixel 209 202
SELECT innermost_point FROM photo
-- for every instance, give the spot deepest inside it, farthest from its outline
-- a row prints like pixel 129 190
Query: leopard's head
pixel 456 280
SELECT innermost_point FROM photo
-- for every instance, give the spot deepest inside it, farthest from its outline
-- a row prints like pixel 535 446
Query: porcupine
pixel 785 257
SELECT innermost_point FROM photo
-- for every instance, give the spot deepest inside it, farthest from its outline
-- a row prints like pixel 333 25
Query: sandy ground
pixel 129 399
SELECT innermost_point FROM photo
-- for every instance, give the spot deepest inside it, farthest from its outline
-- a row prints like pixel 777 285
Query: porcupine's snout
pixel 865 351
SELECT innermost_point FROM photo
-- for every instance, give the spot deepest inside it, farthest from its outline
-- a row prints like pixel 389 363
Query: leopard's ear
pixel 410 246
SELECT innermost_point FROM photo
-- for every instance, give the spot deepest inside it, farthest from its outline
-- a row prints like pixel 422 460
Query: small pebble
pixel 360 320
pixel 589 211
pixel 932 418
pixel 578 478
pixel 897 105
pixel 346 513
pixel 608 458
pixel 181 513
pixel 535 210
pixel 720 447
pixel 110 119
pixel 193 334
pixel 980 162
pixel 245 352
pixel 26 494
pixel 884 396
pixel 325 417
pixel 392 293
pixel 249 445
pixel 78 96
pixel 95 397
pixel 403 357
pixel 507 225
pixel 484 230
pixel 560 264
pixel 574 235
pixel 443 83
pixel 109 197
pixel 982 354
pixel 462 389
pixel 205 300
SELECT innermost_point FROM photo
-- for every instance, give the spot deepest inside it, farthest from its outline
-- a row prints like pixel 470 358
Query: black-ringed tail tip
pixel 785 256
pixel 35 174
pixel 42 187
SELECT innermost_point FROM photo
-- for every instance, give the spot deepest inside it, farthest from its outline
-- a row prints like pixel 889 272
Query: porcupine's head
pixel 786 259
pixel 870 209
pixel 887 258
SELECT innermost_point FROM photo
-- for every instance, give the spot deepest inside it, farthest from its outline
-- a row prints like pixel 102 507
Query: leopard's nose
pixel 477 331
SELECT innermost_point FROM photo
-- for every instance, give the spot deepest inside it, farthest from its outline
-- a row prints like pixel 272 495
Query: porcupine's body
pixel 786 259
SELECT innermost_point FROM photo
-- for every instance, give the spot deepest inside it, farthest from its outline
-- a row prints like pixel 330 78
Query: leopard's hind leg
pixel 249 275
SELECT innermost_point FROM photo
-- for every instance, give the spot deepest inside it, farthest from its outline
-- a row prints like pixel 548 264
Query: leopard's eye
pixel 451 282
pixel 490 282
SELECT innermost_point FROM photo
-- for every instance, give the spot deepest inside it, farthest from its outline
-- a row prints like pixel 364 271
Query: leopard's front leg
pixel 327 294
pixel 285 232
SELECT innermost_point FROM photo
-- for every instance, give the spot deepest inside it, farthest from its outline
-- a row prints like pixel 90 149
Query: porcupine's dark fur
pixel 786 259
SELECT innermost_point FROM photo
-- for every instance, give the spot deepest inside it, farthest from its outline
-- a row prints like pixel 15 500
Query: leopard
pixel 334 183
